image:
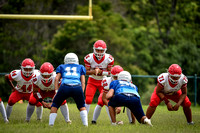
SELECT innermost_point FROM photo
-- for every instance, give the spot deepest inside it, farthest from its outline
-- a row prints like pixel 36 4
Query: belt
pixel 128 94
pixel 72 85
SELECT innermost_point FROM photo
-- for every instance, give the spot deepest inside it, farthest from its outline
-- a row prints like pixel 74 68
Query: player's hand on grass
pixel 169 106
pixel 176 107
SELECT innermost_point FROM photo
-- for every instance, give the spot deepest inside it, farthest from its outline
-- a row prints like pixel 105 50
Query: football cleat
pixel 191 123
pixel 119 122
pixel 69 122
pixel 148 122
pixel 94 122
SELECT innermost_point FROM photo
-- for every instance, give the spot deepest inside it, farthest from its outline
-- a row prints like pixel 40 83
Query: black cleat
pixel 94 122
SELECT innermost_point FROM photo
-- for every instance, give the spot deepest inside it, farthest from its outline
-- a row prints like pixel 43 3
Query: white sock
pixel 97 112
pixel 29 111
pixel 8 110
pixel 107 110
pixel 39 111
pixel 84 117
pixel 3 111
pixel 65 112
pixel 128 112
pixel 87 107
pixel 52 118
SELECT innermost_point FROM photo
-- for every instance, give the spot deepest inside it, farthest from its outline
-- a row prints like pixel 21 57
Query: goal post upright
pixel 50 17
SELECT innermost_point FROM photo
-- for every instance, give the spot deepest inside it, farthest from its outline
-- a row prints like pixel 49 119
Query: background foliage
pixel 144 36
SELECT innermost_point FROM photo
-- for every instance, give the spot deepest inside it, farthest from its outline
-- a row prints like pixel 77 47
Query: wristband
pixel 38 95
pixel 105 73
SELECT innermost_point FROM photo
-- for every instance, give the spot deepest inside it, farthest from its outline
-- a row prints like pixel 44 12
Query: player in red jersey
pixel 98 65
pixel 171 85
pixel 24 86
pixel 43 87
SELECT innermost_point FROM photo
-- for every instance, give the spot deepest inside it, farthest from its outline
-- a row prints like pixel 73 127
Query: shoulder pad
pixel 162 78
pixel 15 73
pixel 184 79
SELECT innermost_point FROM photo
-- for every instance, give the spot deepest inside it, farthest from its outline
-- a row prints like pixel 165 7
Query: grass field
pixel 163 122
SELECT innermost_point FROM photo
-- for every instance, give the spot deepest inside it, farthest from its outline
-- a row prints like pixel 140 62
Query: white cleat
pixel 69 122
pixel 114 124
pixel 191 123
pixel 120 123
pixel 6 121
pixel 148 122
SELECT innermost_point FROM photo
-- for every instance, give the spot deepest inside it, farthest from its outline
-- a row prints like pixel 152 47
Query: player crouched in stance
pixel 72 85
pixel 43 87
pixel 106 83
pixel 3 111
pixel 124 93
pixel 24 86
pixel 171 85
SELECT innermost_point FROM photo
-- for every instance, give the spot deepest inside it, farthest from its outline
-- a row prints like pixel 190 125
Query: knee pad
pixel 88 99
pixel 154 103
pixel 11 102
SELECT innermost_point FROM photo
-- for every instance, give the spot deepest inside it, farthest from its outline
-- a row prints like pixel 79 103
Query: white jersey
pixel 106 83
pixel 91 61
pixel 24 85
pixel 163 80
pixel 45 87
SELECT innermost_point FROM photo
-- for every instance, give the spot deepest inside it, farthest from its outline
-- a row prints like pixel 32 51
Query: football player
pixel 3 111
pixel 98 65
pixel 43 87
pixel 124 93
pixel 106 83
pixel 72 85
pixel 24 86
pixel 171 85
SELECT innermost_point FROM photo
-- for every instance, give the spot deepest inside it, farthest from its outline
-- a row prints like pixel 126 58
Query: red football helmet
pixel 115 71
pixel 46 72
pixel 99 46
pixel 174 72
pixel 27 67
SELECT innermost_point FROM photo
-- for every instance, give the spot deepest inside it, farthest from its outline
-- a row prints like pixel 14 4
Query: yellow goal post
pixel 50 17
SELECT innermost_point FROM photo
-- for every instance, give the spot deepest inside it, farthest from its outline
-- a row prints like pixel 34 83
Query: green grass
pixel 163 122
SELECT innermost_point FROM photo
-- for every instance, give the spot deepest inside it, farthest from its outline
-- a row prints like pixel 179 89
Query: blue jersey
pixel 71 73
pixel 122 87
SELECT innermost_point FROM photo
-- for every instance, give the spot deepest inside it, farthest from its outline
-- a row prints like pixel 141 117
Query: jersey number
pixel 73 69
pixel 160 79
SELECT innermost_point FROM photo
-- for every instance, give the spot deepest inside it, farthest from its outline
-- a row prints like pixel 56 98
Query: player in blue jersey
pixel 124 93
pixel 72 85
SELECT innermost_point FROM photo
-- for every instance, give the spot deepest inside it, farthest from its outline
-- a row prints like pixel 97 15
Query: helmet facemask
pixel 99 53
pixel 46 77
pixel 27 71
pixel 174 78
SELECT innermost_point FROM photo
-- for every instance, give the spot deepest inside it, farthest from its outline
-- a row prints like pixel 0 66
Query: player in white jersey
pixel 106 83
pixel 98 65
pixel 43 88
pixel 24 86
pixel 171 85
pixel 3 111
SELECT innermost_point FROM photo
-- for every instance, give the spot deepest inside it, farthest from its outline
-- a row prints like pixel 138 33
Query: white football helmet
pixel 124 75
pixel 71 58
